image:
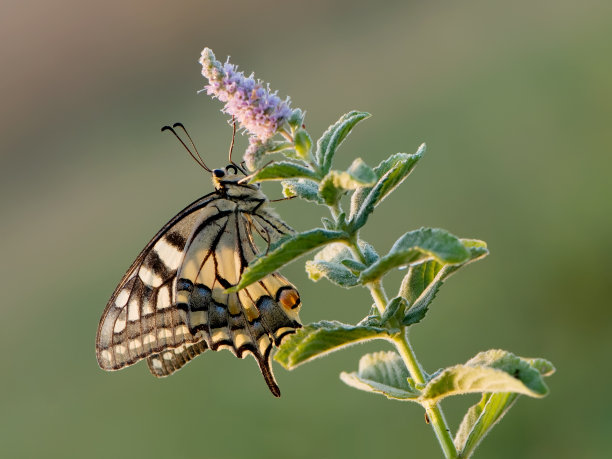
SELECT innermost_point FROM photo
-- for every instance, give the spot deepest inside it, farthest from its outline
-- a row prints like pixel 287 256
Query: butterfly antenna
pixel 197 159
pixel 175 125
pixel 231 149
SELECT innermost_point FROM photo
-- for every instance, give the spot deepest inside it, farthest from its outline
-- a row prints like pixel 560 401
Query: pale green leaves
pixel 423 280
pixel 336 183
pixel 282 170
pixel 491 371
pixel 390 173
pixel 499 375
pixel 305 189
pixel 334 136
pixel 285 252
pixel 421 243
pixel 317 339
pixel 335 262
pixel 383 373
pixel 481 417
pixel 479 420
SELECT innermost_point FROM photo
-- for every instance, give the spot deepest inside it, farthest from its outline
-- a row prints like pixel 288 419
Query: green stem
pixel 434 412
pixel 402 344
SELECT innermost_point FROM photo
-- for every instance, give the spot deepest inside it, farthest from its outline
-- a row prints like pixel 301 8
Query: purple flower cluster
pixel 257 109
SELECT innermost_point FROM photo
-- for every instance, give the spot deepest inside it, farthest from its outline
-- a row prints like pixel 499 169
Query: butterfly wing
pixel 249 321
pixel 140 318
pixel 171 305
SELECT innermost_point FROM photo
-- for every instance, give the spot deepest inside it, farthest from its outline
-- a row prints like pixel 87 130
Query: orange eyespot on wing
pixel 288 297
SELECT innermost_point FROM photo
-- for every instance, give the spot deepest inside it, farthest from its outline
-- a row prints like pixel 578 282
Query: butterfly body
pixel 172 304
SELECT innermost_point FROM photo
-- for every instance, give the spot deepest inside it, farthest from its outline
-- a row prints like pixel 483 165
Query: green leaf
pixel 421 243
pixel 480 419
pixel 395 308
pixel 333 137
pixel 361 173
pixel 317 339
pixel 296 119
pixel 334 272
pixel 382 373
pixel 336 183
pixel 354 266
pixel 287 250
pixel 391 173
pixel 282 170
pixel 490 371
pixel 328 263
pixel 305 189
pixel 303 143
pixel 423 280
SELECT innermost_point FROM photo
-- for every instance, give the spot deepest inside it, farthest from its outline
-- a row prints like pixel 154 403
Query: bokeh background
pixel 514 100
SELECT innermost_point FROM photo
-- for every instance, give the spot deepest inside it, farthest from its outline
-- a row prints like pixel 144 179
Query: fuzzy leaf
pixel 305 189
pixel 391 173
pixel 334 272
pixel 336 183
pixel 282 170
pixel 287 250
pixel 395 307
pixel 423 280
pixel 421 243
pixel 354 266
pixel 382 373
pixel 490 371
pixel 303 143
pixel 480 419
pixel 319 338
pixel 333 137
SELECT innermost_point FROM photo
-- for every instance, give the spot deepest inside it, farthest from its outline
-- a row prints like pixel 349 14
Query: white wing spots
pixel 220 334
pixel 147 308
pixel 149 339
pixel 122 298
pixel 133 310
pixel 170 255
pixel 121 352
pixel 163 298
pixel 120 323
pixel 227 255
pixel 156 363
pixel 182 332
pixel 149 277
pixel 164 336
pixel 263 344
pixel 240 339
pixel 105 356
pixel 198 318
pixel 233 306
pixel 247 304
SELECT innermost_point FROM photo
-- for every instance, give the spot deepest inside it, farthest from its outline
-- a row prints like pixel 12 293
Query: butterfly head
pixel 229 175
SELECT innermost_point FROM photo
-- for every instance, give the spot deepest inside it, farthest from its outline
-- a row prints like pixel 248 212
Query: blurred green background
pixel 514 100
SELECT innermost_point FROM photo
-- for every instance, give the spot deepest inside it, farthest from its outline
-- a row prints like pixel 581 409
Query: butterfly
pixel 171 304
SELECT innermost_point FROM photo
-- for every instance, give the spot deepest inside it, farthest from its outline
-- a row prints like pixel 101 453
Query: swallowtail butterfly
pixel 171 304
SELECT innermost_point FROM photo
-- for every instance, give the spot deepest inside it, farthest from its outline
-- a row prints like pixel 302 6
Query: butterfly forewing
pixel 171 305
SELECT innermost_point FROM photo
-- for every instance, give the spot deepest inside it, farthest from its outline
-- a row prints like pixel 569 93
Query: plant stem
pixel 434 412
pixel 402 344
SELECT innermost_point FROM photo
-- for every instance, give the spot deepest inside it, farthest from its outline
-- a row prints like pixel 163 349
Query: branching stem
pixel 402 344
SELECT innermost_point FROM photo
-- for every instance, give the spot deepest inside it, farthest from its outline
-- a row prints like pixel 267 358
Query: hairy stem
pixel 402 344
pixel 433 410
